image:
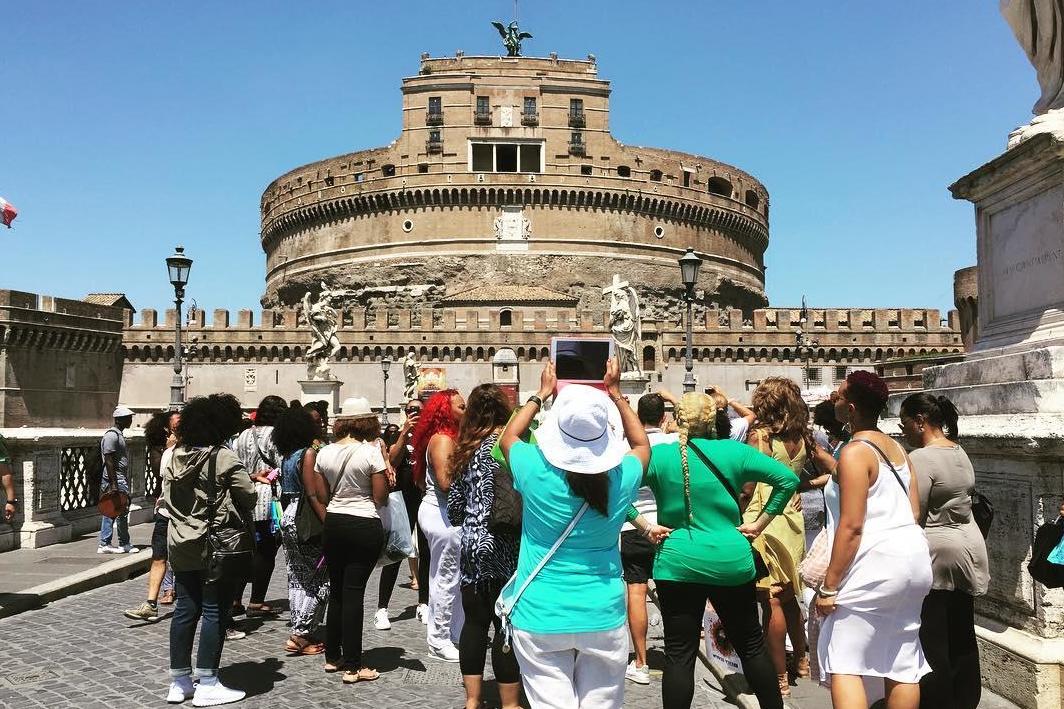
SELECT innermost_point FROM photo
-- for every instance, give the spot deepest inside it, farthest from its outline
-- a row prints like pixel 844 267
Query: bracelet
pixel 13 502
pixel 827 593
pixel 534 399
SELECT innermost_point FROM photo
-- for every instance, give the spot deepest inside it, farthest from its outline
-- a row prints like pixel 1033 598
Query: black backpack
pixel 1041 569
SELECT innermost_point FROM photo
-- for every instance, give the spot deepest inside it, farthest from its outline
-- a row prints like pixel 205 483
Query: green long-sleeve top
pixel 707 548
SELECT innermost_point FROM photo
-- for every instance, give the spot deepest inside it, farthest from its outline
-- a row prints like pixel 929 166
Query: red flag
pixel 7 212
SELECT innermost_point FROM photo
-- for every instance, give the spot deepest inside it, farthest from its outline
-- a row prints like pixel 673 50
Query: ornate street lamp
pixel 178 267
pixel 803 345
pixel 689 265
pixel 385 364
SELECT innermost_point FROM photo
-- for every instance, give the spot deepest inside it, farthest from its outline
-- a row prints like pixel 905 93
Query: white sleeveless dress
pixel 875 629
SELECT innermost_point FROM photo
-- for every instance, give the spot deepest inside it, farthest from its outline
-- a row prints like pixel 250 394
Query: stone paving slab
pixel 30 578
pixel 81 652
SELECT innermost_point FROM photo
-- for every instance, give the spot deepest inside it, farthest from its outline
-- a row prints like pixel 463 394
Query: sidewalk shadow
pixel 389 659
pixel 255 678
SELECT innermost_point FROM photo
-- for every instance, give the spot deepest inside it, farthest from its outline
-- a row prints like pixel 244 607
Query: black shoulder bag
pixel 229 550
pixel 759 563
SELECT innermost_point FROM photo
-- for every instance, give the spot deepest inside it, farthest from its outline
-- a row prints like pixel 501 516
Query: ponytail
pixel 949 415
pixel 938 410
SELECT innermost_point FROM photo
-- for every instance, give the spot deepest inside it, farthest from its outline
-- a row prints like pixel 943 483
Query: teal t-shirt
pixel 580 589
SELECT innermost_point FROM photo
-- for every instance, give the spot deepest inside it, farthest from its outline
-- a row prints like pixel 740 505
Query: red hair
pixel 867 392
pixel 437 416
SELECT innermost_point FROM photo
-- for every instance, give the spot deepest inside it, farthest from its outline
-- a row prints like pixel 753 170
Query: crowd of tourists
pixel 827 552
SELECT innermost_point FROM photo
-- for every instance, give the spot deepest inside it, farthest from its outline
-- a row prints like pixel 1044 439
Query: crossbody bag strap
pixel 716 472
pixel 258 449
pixel 886 460
pixel 546 557
pixel 212 487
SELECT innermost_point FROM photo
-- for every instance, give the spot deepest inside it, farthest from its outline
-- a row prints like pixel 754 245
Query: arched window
pixel 719 185
pixel 506 318
pixel 624 171
pixel 655 175
pixel 752 200
pixel 648 358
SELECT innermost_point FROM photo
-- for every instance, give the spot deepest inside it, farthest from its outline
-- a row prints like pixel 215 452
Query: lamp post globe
pixel 178 267
pixel 689 267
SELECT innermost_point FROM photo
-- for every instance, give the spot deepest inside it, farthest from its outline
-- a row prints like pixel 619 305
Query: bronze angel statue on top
pixel 511 38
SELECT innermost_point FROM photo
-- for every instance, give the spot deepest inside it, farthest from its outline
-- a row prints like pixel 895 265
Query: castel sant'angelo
pixel 496 219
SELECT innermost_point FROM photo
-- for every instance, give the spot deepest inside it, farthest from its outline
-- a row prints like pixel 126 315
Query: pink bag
pixel 814 566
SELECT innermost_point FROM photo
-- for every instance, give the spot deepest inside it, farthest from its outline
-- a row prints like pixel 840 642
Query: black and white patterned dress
pixel 488 560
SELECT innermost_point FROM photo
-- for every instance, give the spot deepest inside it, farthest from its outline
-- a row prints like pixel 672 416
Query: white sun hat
pixel 582 432
pixel 355 406
pixel 122 412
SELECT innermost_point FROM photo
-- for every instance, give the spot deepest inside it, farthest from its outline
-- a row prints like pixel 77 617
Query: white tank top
pixel 888 504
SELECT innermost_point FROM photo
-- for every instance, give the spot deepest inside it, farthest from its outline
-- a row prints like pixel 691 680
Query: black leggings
pixel 683 606
pixel 390 573
pixel 352 546
pixel 473 642
pixel 424 556
pixel 947 633
pixel 262 565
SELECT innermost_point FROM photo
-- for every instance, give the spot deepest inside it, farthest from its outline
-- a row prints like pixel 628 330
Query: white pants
pixel 573 670
pixel 445 605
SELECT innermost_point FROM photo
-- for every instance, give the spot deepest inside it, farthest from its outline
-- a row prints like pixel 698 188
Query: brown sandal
pixel 365 674
pixel 260 609
pixel 297 645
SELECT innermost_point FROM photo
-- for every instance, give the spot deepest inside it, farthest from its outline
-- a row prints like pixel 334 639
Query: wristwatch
pixel 14 502
pixel 534 399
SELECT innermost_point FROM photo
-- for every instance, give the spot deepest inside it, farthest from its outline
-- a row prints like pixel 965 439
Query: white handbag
pixel 504 605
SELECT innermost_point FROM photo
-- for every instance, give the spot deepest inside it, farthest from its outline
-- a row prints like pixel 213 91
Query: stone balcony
pixel 58 501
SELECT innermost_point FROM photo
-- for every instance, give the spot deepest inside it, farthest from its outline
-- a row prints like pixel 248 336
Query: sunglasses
pixel 414 410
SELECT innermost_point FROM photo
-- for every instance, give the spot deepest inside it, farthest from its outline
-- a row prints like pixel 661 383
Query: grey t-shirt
pixel 114 444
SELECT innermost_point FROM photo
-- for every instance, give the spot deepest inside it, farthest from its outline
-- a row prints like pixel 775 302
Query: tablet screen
pixel 581 360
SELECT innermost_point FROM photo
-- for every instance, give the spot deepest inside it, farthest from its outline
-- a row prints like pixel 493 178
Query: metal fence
pixel 77 489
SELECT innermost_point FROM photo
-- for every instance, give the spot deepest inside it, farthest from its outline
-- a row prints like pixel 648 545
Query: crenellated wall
pixel 252 356
pixel 60 360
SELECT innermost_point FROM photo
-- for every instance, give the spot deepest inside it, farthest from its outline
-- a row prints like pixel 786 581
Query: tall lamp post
pixel 803 345
pixel 689 265
pixel 178 267
pixel 385 364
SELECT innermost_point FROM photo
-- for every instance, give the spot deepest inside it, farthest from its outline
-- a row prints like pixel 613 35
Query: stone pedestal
pixel 634 385
pixel 321 389
pixel 1010 393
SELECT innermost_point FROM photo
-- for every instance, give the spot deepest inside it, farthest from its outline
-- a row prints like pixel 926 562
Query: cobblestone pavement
pixel 81 652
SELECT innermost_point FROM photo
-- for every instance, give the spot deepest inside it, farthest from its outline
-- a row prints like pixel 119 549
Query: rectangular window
pixel 530 161
pixel 530 104
pixel 813 374
pixel 434 136
pixel 840 374
pixel 576 139
pixel 483 157
pixel 359 177
pixel 482 104
pixel 435 105
pixel 686 178
pixel 576 106
pixel 505 157
pixel 423 167
pixel 585 169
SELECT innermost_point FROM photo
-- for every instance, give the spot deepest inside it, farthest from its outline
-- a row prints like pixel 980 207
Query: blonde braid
pixel 686 473
pixel 695 414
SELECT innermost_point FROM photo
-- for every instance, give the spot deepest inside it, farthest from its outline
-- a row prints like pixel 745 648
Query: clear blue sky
pixel 129 127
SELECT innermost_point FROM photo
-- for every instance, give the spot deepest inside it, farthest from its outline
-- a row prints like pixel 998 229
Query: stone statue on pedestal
pixel 322 320
pixel 409 377
pixel 1039 28
pixel 625 327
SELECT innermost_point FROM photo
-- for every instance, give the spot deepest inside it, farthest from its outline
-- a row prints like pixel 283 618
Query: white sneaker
pixel 639 675
pixel 448 653
pixel 380 619
pixel 234 634
pixel 181 688
pixel 422 614
pixel 108 550
pixel 128 549
pixel 211 693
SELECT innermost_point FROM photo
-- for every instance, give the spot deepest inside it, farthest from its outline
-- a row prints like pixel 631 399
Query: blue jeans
pixel 107 526
pixel 198 600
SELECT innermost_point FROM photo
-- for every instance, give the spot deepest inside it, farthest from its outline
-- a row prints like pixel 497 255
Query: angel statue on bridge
pixel 511 38
pixel 322 320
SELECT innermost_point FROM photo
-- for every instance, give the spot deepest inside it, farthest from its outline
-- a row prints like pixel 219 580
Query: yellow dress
pixel 782 544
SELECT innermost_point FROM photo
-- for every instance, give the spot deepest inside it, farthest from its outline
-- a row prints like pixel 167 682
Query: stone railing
pixel 51 479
